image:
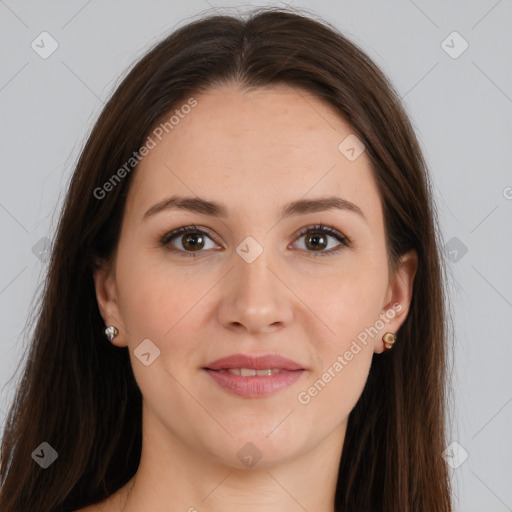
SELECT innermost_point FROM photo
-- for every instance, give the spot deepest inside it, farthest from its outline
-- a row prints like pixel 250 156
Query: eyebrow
pixel 214 209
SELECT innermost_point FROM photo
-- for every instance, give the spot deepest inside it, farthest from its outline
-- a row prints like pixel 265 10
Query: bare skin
pixel 254 152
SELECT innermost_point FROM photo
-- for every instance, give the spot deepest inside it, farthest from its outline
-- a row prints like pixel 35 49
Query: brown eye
pixel 316 241
pixel 187 241
pixel 319 238
pixel 192 241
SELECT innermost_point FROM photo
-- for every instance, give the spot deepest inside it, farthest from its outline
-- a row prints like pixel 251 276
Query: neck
pixel 173 477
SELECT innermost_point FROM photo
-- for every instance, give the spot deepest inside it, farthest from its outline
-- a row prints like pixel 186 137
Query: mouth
pixel 254 376
pixel 249 372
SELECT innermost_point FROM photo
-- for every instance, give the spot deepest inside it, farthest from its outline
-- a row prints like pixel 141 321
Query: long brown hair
pixel 78 392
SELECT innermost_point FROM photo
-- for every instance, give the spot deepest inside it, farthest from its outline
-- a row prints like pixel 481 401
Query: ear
pixel 107 298
pixel 398 297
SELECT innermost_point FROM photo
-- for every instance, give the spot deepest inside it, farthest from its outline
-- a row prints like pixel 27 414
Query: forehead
pixel 272 144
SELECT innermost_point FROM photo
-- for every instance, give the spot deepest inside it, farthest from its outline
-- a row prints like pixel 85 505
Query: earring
pixel 389 338
pixel 111 332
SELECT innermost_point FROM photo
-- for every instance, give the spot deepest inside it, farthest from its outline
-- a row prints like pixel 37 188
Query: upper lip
pixel 262 362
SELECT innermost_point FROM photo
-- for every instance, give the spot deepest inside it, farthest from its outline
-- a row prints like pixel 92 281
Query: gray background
pixel 460 107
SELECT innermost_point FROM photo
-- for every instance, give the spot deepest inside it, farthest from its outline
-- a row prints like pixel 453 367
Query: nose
pixel 255 298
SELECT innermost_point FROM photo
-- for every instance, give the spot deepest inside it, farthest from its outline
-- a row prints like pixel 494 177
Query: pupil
pixel 194 239
pixel 317 240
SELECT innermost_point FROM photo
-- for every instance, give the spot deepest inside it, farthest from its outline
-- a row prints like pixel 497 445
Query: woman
pixel 297 360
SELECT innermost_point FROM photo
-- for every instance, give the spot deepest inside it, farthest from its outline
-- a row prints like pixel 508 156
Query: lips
pixel 254 376
pixel 264 362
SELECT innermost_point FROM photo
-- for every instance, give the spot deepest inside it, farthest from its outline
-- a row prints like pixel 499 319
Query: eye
pixel 316 240
pixel 189 240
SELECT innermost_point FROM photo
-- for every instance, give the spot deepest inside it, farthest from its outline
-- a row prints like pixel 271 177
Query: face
pixel 259 277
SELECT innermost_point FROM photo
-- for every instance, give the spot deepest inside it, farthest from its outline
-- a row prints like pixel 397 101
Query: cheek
pixel 344 353
pixel 152 297
pixel 349 302
pixel 168 307
pixel 163 306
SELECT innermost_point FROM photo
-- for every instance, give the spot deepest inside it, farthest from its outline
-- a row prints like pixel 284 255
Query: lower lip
pixel 255 386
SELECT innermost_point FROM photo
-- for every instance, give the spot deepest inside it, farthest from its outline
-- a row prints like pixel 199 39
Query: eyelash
pixel 318 228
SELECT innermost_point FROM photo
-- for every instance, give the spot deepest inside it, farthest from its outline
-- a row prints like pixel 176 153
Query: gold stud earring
pixel 389 338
